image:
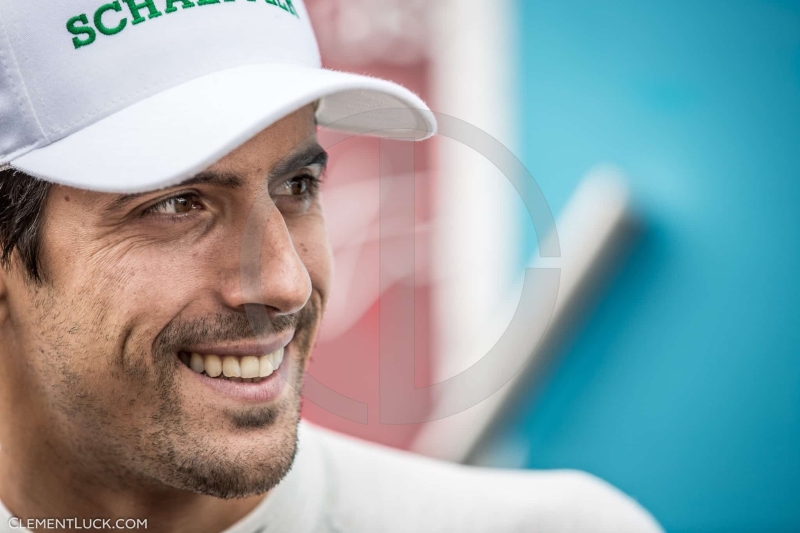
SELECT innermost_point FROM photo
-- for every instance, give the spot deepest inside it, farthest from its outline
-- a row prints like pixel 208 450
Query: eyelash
pixel 152 210
pixel 312 189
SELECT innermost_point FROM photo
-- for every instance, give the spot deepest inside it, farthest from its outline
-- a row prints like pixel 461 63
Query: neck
pixel 43 477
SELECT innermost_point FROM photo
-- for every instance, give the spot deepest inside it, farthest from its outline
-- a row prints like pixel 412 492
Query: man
pixel 150 370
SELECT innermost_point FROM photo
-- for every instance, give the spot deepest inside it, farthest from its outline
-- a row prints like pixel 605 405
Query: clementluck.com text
pixel 76 523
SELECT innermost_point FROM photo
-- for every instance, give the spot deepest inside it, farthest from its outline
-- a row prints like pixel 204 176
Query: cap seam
pixel 19 152
pixel 19 91
pixel 21 77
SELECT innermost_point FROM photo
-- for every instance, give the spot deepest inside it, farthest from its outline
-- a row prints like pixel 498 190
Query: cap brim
pixel 170 137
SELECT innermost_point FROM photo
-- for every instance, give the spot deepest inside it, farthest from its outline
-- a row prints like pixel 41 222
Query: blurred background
pixel 665 139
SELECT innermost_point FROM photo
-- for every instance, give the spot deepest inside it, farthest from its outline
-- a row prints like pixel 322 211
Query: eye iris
pixel 182 204
pixel 298 187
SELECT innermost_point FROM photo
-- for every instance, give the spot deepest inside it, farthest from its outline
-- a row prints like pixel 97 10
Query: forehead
pixel 259 154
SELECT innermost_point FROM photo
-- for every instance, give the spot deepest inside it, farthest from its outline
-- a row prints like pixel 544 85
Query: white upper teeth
pixel 212 365
pixel 196 363
pixel 249 367
pixel 235 367
pixel 230 367
pixel 265 367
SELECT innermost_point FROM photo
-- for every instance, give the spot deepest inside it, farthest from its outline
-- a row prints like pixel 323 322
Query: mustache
pixel 252 324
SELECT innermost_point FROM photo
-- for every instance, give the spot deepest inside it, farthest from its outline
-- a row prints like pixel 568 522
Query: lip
pixel 262 392
pixel 244 349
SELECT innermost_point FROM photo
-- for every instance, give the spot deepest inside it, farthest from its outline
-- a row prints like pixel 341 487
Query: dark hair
pixel 22 200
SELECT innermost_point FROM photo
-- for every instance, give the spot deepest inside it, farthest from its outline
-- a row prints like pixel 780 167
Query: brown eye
pixel 299 187
pixel 177 205
pixel 294 187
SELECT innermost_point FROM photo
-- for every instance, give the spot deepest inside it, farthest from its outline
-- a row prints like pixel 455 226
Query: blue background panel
pixel 683 388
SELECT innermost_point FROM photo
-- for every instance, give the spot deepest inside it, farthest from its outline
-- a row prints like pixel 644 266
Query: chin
pixel 227 452
pixel 239 479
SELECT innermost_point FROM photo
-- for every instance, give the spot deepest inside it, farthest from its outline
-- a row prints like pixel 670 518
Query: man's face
pixel 233 264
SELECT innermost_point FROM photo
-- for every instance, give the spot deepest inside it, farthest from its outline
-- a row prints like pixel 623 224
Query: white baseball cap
pixel 135 95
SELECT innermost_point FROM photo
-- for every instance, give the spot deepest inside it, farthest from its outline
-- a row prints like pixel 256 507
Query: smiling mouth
pixel 248 369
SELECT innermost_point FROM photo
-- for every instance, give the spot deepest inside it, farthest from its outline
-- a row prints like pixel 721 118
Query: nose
pixel 271 273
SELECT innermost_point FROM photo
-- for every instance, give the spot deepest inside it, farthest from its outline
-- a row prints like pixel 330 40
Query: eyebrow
pixel 305 156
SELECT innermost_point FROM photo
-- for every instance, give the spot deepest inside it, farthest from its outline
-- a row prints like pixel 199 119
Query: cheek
pixel 148 281
pixel 155 285
pixel 122 297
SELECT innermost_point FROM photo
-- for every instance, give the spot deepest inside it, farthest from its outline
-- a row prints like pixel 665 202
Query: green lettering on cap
pixel 134 7
pixel 85 34
pixel 98 19
pixel 74 29
pixel 185 4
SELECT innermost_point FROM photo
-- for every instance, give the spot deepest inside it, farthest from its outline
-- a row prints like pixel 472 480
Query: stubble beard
pixel 172 447
pixel 206 465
